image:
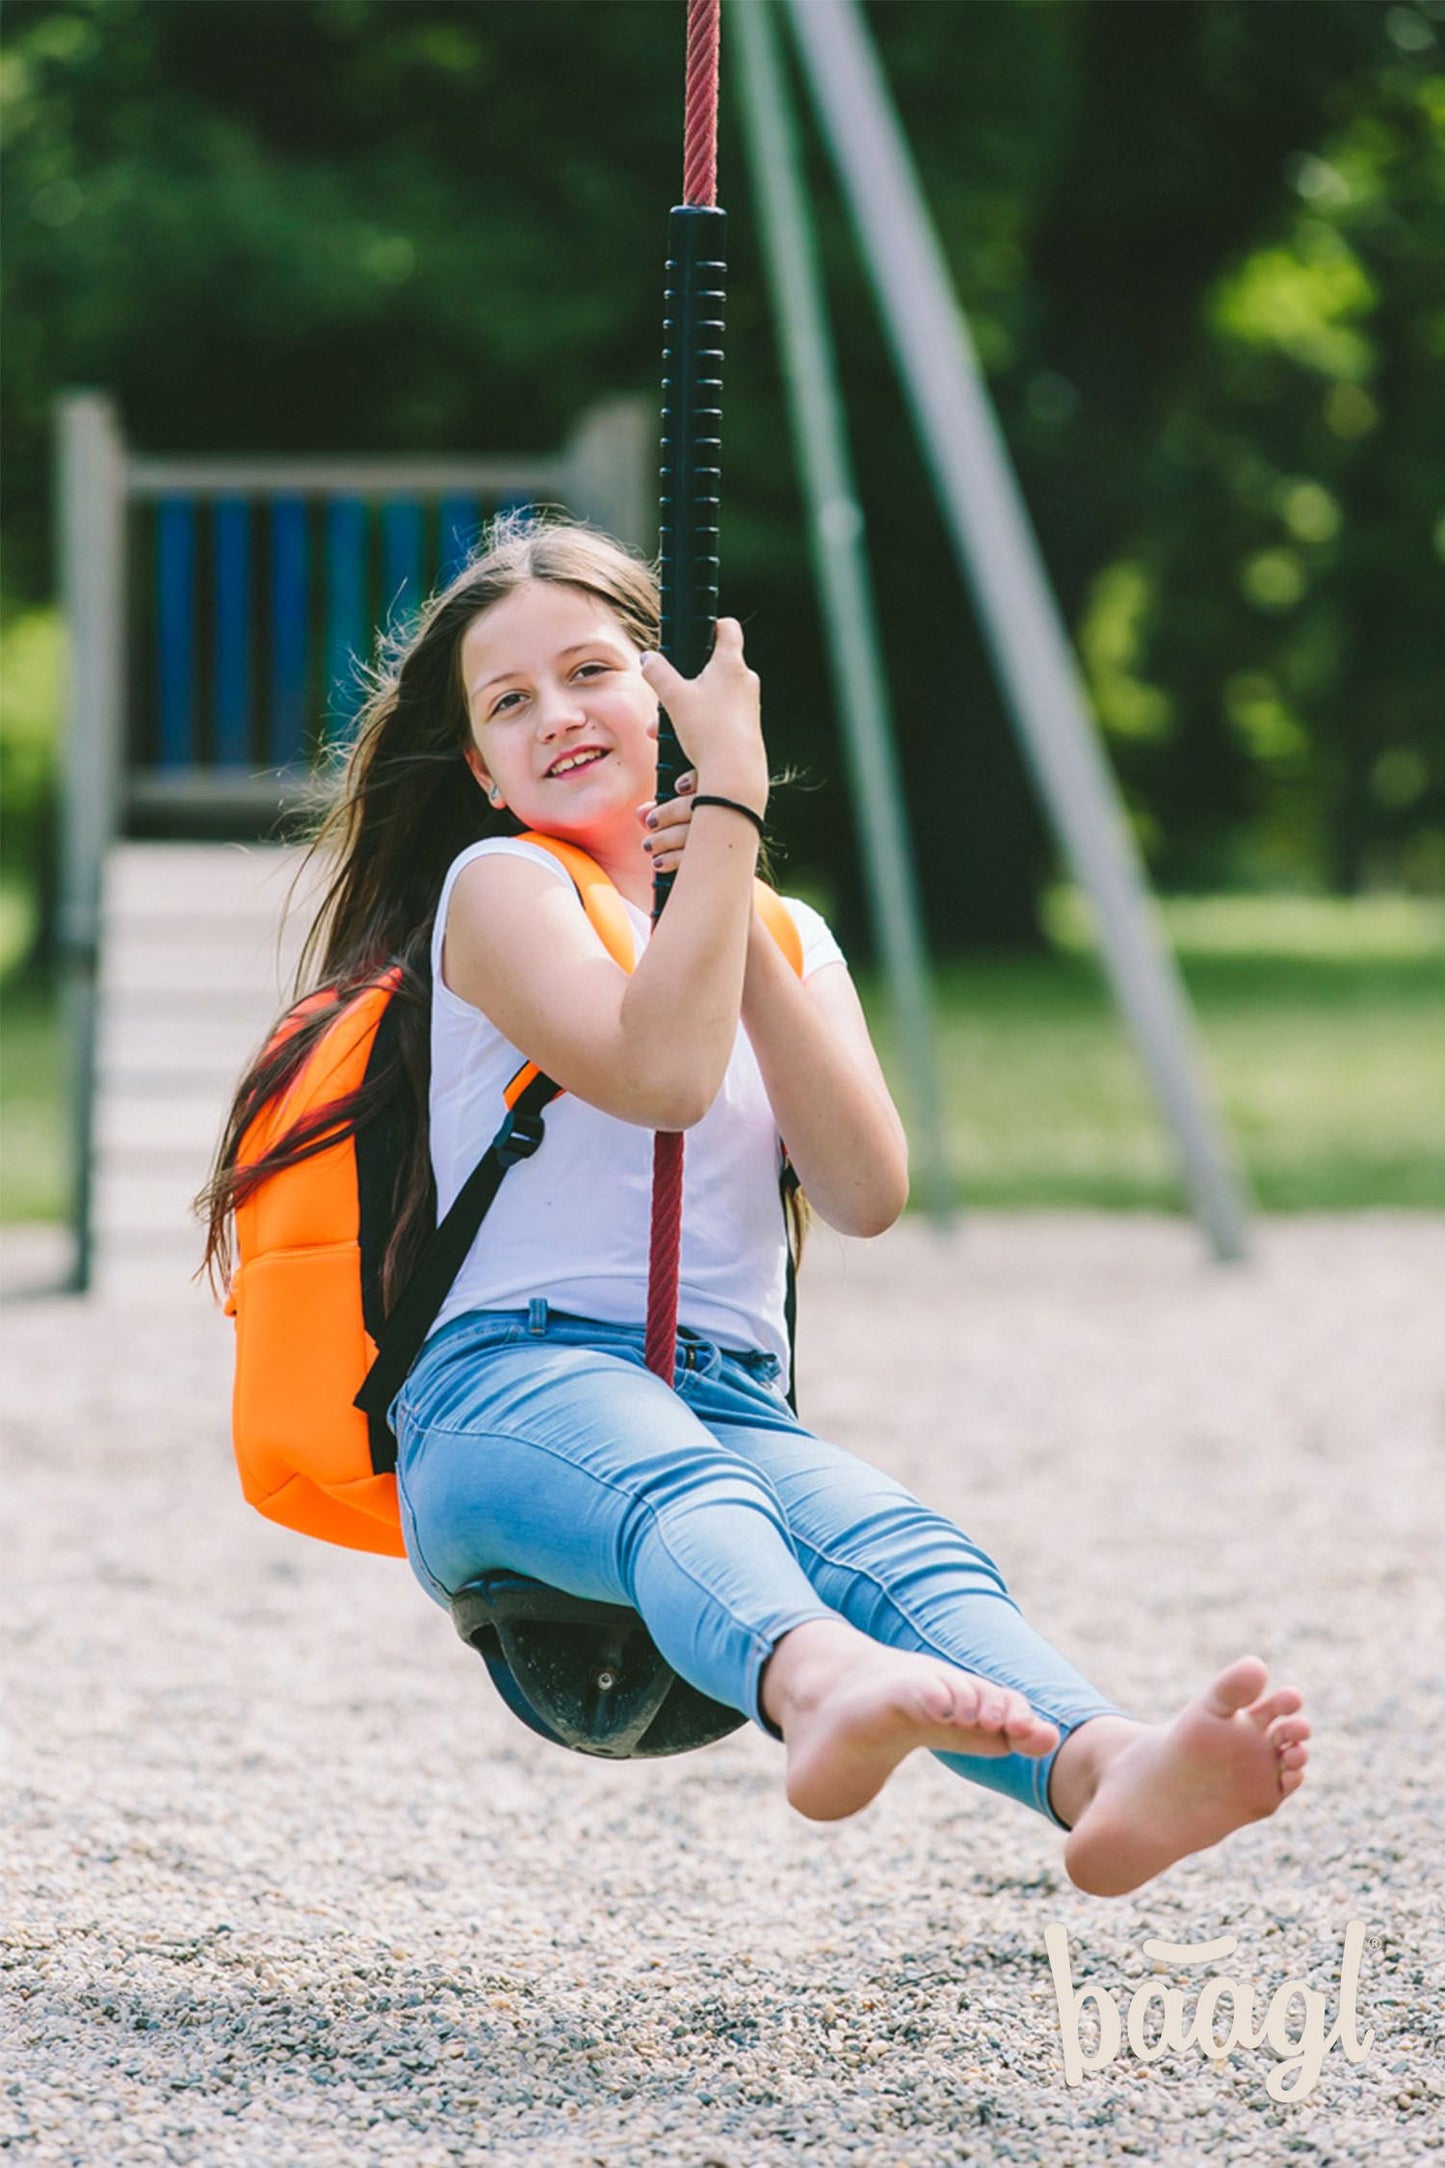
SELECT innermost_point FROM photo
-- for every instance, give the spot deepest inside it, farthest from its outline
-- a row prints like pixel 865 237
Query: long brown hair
pixel 408 806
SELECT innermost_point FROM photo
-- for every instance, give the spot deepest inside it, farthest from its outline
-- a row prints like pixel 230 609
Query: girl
pixel 776 1572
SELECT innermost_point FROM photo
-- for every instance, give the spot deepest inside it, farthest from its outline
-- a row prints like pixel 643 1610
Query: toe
pixel 994 1709
pixel 1289 1730
pixel 1284 1701
pixel 946 1700
pixel 1026 1723
pixel 1237 1686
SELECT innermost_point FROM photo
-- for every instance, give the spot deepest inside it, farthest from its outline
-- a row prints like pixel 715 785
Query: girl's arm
pixel 828 1092
pixel 823 1078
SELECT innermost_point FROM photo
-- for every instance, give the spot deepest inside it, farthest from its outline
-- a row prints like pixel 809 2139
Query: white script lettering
pixel 1301 2043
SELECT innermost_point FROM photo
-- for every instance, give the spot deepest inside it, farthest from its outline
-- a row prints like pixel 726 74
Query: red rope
pixel 665 1255
pixel 699 128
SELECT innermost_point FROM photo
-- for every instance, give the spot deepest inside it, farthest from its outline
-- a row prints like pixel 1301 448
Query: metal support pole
pixel 999 557
pixel 841 567
pixel 90 485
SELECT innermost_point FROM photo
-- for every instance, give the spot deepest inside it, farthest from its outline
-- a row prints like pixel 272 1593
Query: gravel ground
pixel 289 1885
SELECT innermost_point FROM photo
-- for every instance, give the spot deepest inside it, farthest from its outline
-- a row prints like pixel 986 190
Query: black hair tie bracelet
pixel 733 806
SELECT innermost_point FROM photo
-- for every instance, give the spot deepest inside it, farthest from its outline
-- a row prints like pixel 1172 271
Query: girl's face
pixel 563 724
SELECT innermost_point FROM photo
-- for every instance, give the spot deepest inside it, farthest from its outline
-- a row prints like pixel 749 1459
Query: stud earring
pixel 495 795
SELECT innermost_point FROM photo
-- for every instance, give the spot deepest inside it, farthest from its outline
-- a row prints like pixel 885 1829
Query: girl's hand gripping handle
pixel 718 719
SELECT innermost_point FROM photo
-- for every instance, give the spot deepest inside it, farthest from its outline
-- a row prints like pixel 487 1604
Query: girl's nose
pixel 559 710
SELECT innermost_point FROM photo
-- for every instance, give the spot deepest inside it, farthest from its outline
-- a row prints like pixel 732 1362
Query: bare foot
pixel 1165 1790
pixel 851 1709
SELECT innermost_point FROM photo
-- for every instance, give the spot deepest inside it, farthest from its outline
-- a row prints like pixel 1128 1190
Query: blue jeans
pixel 541 1443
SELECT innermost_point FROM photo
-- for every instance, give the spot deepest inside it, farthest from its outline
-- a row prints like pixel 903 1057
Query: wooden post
pixel 610 470
pixel 91 501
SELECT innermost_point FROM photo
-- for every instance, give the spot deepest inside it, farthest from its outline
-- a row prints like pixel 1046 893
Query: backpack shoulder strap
pixel 600 900
pixel 526 1097
pixel 780 923
pixel 442 1259
pixel 604 907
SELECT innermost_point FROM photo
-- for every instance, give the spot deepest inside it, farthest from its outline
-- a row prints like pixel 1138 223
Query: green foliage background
pixel 1199 244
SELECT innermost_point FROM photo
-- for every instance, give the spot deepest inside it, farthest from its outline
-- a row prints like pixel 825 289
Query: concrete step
pixel 165 1128
pixel 153 1202
pixel 196 967
pixel 160 1046
pixel 126 1270
pixel 145 882
pixel 240 960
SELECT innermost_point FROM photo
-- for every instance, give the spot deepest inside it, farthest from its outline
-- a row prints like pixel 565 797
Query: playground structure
pixel 206 691
pixel 218 611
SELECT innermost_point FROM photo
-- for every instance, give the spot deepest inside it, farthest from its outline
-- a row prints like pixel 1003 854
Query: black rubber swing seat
pixel 586 1675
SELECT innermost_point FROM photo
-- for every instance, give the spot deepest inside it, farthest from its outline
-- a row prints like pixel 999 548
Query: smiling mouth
pixel 588 757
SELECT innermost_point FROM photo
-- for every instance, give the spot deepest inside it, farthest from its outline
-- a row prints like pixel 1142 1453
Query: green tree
pixel 351 224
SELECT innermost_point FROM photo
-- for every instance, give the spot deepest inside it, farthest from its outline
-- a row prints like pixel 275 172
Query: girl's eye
pixel 499 705
pixel 589 666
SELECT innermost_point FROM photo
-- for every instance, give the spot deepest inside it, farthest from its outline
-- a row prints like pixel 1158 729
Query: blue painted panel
pixel 176 630
pixel 461 521
pixel 233 631
pixel 347 639
pixel 289 631
pixel 401 560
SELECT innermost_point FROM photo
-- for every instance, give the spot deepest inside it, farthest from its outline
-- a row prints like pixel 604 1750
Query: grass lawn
pixel 1321 1026
pixel 33 1148
pixel 33 1144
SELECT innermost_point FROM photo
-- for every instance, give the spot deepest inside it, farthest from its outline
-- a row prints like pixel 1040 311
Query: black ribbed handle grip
pixel 691 460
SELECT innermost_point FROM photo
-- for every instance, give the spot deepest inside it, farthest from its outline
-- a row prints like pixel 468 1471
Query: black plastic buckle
pixel 519 1136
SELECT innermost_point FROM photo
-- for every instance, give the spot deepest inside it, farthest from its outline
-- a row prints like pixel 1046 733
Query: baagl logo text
pixel 1158 2018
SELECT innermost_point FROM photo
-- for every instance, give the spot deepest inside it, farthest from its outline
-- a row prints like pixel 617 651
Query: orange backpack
pixel 318 1363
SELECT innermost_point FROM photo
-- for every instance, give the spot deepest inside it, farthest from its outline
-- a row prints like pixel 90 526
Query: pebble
pixel 292 1887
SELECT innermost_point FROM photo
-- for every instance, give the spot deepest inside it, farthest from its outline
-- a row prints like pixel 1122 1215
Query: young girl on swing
pixel 777 1573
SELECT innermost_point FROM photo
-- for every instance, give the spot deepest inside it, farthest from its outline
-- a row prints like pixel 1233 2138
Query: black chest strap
pixel 441 1261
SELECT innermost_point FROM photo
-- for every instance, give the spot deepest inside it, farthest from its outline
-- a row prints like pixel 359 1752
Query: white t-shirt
pixel 571 1223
